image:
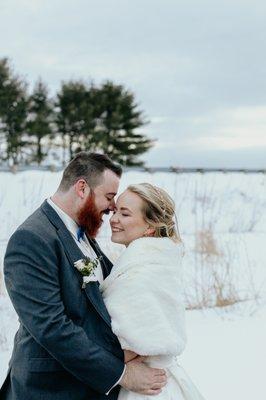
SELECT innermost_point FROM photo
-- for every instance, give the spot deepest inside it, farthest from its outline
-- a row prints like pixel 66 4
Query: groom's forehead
pixel 110 182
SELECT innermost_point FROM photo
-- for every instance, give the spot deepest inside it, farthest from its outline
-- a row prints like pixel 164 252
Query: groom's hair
pixel 87 166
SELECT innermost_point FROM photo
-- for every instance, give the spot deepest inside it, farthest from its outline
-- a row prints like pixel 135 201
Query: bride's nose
pixel 113 218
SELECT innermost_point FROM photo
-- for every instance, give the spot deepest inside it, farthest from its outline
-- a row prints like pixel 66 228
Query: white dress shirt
pixel 85 247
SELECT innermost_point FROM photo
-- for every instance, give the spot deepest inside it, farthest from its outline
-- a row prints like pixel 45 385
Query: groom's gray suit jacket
pixel 64 348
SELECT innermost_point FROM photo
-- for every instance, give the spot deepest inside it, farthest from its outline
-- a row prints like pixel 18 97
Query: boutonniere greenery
pixel 86 266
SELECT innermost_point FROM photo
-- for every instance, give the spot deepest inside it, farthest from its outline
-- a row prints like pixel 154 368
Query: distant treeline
pixel 151 170
pixel 35 127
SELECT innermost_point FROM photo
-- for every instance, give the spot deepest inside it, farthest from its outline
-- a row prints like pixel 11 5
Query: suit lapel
pixel 73 254
pixel 99 253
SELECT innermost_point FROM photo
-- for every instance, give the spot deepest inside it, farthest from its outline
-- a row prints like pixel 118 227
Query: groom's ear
pixel 81 188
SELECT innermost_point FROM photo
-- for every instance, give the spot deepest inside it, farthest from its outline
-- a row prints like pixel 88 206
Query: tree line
pixel 81 116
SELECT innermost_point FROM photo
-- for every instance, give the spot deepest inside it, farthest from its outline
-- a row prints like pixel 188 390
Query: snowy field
pixel 222 220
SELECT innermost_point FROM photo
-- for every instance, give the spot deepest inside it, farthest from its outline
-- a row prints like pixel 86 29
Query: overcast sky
pixel 197 67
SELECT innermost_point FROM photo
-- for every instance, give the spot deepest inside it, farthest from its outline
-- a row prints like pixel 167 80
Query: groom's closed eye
pixel 110 196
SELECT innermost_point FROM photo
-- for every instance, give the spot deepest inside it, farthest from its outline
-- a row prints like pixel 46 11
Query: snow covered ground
pixel 222 220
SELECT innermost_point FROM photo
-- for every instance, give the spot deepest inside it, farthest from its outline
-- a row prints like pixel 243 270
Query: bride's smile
pixel 127 222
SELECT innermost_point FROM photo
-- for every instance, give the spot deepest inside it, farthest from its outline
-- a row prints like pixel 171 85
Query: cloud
pixel 232 132
pixel 197 68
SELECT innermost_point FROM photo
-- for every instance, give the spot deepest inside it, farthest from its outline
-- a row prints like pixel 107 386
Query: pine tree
pixel 40 119
pixel 74 116
pixel 91 136
pixel 119 118
pixel 103 119
pixel 4 80
pixel 13 111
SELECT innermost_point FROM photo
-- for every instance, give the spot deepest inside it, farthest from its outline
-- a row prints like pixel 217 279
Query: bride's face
pixel 127 222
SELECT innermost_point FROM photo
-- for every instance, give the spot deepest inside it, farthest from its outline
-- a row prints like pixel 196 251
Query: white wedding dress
pixel 143 297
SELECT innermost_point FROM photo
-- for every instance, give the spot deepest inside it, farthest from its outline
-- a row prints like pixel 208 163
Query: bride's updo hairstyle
pixel 158 210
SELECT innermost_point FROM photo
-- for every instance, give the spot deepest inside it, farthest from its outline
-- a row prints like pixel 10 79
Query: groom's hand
pixel 142 379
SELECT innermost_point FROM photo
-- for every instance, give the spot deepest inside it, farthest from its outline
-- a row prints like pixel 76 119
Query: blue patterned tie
pixel 80 233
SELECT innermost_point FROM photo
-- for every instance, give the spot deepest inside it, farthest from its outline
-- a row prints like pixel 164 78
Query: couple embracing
pixel 89 329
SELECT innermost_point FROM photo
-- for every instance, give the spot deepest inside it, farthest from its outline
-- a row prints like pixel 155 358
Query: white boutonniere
pixel 86 267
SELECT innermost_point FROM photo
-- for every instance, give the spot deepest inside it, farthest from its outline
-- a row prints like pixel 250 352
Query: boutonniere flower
pixel 86 267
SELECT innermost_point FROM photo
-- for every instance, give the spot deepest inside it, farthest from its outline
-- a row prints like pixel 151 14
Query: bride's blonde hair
pixel 158 210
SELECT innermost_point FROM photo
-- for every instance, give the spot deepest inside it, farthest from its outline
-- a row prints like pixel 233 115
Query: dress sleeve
pixel 147 311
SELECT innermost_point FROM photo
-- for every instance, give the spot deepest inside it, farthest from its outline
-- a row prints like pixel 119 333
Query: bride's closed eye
pixel 123 215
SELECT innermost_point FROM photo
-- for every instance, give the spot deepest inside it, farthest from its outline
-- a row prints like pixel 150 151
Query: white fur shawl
pixel 143 297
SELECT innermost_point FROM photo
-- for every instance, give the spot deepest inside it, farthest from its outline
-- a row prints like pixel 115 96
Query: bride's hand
pixel 129 355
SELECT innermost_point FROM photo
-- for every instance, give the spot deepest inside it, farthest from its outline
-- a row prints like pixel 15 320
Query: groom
pixel 64 348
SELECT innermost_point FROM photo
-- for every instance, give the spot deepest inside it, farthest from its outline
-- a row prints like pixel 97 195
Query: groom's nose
pixel 112 205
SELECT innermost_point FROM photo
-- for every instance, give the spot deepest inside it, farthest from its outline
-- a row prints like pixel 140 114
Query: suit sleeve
pixel 33 285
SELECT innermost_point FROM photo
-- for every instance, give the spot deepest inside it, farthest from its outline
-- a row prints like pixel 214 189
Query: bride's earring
pixel 149 232
pixel 145 234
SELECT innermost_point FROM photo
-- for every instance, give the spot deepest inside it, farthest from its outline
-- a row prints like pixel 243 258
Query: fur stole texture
pixel 143 297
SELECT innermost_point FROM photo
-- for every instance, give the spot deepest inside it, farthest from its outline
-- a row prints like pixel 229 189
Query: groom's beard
pixel 89 217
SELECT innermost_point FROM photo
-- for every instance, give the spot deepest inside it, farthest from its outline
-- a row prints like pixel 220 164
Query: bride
pixel 143 292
